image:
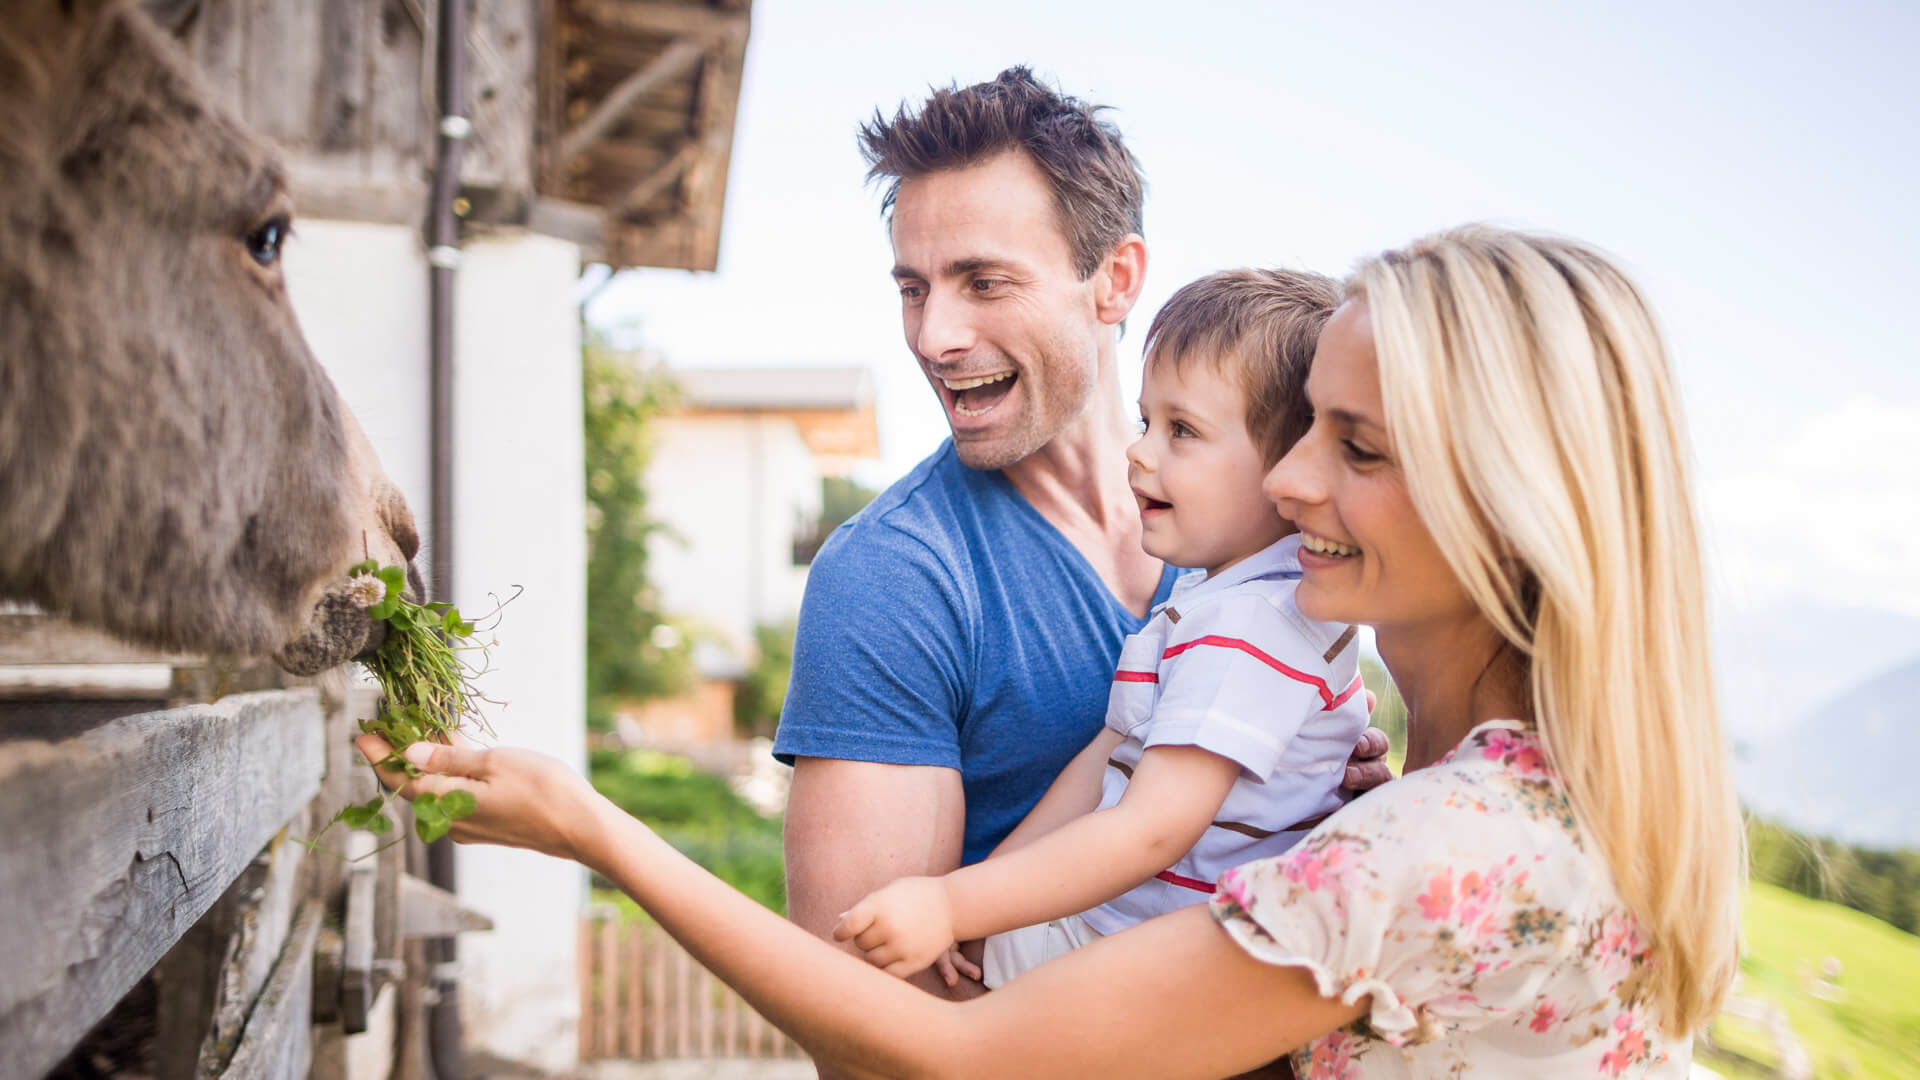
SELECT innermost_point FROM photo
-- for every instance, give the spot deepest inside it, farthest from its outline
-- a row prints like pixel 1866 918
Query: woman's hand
pixel 522 799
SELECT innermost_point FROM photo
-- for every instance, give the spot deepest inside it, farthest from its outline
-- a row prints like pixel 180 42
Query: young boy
pixel 1232 714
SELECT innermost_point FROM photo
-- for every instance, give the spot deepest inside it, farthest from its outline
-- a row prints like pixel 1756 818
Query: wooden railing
pixel 642 997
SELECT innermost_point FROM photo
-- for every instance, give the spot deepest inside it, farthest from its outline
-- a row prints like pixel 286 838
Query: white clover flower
pixel 366 590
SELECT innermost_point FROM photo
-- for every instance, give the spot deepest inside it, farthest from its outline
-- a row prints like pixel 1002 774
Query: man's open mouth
pixel 978 396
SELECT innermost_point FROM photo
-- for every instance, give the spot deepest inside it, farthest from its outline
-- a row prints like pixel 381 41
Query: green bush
pixel 699 815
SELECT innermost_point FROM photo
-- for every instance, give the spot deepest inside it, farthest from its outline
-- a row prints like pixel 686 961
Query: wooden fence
pixel 642 997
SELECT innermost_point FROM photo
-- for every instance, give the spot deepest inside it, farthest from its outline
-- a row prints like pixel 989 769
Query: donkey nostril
pixel 400 526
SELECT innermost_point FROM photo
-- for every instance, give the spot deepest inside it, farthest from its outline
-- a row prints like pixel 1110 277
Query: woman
pixel 1495 479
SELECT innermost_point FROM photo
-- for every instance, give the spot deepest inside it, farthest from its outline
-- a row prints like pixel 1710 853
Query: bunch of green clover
pixel 427 693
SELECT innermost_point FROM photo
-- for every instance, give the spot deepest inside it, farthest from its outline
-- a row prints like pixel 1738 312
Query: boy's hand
pixel 902 927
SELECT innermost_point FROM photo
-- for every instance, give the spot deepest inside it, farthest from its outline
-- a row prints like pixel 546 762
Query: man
pixel 958 637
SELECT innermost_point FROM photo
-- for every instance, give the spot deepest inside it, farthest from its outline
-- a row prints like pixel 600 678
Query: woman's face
pixel 1367 556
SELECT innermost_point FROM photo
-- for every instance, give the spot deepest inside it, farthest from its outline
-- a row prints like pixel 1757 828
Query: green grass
pixel 1874 1032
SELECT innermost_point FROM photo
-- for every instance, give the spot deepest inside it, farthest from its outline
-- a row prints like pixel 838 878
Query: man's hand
pixel 1367 768
pixel 903 927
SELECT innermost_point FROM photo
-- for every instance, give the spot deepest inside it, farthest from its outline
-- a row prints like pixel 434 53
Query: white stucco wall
pixel 361 292
pixel 731 490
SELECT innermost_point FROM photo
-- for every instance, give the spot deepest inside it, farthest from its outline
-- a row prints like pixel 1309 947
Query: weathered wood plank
pixel 281 69
pixel 211 978
pixel 502 96
pixel 119 839
pixel 398 141
pixel 340 106
pixel 277 1042
pixel 45 639
pixel 217 41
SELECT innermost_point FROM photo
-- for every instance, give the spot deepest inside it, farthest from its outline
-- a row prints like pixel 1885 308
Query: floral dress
pixel 1464 898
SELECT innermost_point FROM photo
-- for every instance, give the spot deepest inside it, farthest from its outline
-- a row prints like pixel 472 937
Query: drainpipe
pixel 443 258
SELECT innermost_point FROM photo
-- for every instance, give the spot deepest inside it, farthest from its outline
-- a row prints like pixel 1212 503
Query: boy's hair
pixel 1260 327
pixel 1096 183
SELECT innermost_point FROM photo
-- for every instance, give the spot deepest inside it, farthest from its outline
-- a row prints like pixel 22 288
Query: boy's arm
pixel 1171 799
pixel 1075 793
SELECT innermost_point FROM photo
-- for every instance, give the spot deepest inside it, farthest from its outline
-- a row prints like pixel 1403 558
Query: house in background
pixel 591 131
pixel 735 480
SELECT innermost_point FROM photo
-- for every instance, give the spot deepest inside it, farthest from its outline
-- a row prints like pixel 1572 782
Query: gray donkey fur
pixel 175 467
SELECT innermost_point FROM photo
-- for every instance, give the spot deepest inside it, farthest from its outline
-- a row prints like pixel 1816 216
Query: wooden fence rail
pixel 643 998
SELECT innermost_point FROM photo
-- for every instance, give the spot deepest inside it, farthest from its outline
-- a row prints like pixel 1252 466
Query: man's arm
pixel 1074 793
pixel 854 826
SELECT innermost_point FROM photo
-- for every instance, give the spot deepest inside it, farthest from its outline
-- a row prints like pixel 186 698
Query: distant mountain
pixel 1777 664
pixel 1846 768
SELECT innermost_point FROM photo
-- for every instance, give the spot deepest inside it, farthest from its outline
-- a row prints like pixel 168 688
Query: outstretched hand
pixel 523 799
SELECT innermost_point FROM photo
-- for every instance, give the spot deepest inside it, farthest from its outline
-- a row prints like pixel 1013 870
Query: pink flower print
pixel 1317 869
pixel 1234 887
pixel 1515 751
pixel 1545 1015
pixel 1333 1056
pixel 1438 899
pixel 1498 742
pixel 1630 1049
pixel 1478 899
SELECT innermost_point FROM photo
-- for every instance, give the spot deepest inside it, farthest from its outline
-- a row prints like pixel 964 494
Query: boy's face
pixel 1195 470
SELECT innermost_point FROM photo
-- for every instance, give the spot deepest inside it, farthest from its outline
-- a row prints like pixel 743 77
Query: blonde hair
pixel 1529 400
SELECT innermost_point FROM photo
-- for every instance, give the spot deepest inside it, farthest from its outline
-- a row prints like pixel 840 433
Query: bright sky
pixel 1753 165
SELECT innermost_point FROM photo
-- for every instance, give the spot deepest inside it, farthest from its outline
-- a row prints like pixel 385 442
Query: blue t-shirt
pixel 949 623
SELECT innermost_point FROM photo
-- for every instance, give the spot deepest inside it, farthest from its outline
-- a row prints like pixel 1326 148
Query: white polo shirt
pixel 1230 665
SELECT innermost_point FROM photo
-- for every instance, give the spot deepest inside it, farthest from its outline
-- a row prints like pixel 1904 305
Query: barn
pixel 449 187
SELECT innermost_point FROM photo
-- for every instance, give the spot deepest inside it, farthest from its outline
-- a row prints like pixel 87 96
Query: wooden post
pixel 607 1009
pixel 658 948
pixel 683 996
pixel 583 966
pixel 636 956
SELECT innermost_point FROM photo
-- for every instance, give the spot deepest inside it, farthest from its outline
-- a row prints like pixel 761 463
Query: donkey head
pixel 175 467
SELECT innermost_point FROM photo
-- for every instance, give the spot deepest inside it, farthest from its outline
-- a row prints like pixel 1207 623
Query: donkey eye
pixel 264 242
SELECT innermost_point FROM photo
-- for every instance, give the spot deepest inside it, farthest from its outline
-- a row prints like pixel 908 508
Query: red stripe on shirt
pixel 1135 676
pixel 1326 692
pixel 1347 693
pixel 1195 884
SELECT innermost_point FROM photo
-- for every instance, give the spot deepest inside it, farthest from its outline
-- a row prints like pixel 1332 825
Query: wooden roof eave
pixel 654 176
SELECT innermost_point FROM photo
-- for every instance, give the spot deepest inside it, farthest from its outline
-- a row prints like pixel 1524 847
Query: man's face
pixel 1001 324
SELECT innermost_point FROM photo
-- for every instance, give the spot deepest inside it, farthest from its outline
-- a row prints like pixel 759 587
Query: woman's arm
pixel 1073 794
pixel 1173 795
pixel 1172 997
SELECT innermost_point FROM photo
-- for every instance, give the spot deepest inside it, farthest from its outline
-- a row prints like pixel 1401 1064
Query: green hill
pixel 1863 1022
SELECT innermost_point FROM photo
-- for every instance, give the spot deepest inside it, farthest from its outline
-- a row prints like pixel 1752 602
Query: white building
pixel 736 479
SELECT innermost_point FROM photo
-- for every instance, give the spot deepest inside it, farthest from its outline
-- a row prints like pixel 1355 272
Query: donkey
pixel 175 467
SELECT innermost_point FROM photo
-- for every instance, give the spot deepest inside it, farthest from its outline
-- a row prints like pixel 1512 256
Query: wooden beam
pixel 44 639
pixel 675 61
pixel 643 192
pixel 381 204
pixel 278 1039
pixel 120 838
pixel 666 20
